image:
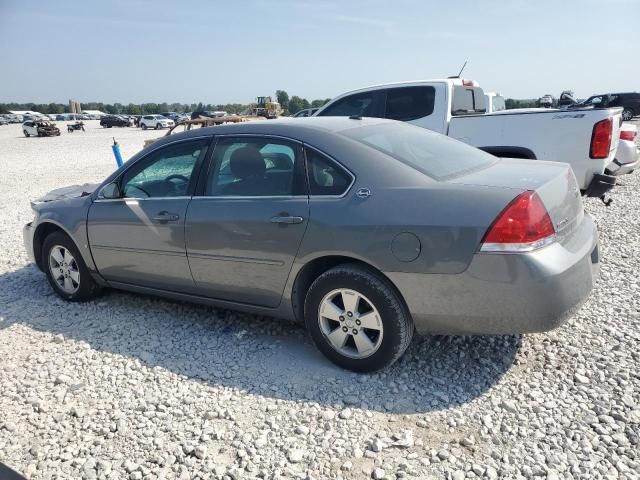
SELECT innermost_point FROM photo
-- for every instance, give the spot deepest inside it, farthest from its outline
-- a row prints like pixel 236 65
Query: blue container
pixel 116 152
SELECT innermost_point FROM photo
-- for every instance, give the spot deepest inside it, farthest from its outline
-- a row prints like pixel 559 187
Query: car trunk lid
pixel 554 183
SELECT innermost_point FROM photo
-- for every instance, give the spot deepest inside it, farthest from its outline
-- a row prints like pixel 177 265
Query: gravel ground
pixel 136 387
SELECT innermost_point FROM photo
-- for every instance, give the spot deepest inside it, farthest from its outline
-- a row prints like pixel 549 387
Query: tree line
pixel 290 105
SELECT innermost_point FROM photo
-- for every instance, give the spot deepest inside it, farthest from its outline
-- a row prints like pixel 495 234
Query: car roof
pixel 298 128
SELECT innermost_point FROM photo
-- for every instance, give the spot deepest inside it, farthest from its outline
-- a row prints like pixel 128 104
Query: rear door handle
pixel 287 220
pixel 166 217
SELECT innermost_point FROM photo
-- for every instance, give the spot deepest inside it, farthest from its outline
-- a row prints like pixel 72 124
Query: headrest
pixel 247 162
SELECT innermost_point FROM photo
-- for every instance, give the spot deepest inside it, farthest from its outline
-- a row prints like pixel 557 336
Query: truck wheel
pixel 627 114
pixel 357 319
pixel 65 269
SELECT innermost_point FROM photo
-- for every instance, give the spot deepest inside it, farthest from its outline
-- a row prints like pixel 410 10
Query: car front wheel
pixel 65 269
pixel 158 126
pixel 357 319
pixel 144 126
pixel 26 134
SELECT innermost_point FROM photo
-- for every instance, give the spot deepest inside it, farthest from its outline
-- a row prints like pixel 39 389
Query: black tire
pixel 397 323
pixel 26 134
pixel 627 114
pixel 144 126
pixel 87 287
pixel 158 126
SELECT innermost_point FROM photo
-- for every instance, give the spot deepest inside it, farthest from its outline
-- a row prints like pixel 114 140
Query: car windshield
pixel 433 154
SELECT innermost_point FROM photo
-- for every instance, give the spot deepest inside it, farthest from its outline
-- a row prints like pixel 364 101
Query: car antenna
pixel 461 70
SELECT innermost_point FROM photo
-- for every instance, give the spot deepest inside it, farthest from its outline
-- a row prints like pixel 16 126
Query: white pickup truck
pixel 585 138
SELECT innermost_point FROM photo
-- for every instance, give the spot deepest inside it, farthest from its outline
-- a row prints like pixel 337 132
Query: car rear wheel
pixel 26 134
pixel 66 271
pixel 627 114
pixel 357 319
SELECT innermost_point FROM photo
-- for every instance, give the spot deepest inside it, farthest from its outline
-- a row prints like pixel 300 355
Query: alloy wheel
pixel 351 323
pixel 64 269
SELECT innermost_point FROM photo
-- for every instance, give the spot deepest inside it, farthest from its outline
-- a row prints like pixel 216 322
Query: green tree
pixel 297 103
pixel 319 102
pixel 283 99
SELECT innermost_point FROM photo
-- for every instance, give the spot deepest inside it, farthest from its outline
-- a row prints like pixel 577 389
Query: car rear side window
pixel 360 104
pixel 409 103
pixel 326 177
pixel 433 154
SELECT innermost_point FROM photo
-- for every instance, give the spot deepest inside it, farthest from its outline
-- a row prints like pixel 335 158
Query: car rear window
pixel 433 154
pixel 467 100
pixel 408 103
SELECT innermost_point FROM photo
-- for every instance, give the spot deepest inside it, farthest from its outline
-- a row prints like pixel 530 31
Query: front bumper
pixel 27 238
pixel 506 293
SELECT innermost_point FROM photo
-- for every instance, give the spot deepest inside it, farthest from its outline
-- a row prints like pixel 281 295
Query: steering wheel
pixel 174 185
pixel 178 177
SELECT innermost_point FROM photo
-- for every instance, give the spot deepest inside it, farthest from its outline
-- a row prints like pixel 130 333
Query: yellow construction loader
pixel 266 107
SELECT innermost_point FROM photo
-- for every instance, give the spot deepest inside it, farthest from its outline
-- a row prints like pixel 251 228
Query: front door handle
pixel 166 217
pixel 287 220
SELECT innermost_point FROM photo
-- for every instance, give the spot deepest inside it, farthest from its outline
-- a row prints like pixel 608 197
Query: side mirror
pixel 110 191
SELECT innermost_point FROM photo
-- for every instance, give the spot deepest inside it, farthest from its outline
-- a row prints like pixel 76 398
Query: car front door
pixel 138 237
pixel 244 232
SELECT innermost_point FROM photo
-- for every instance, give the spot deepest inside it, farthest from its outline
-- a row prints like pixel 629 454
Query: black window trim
pixel 202 185
pixel 340 165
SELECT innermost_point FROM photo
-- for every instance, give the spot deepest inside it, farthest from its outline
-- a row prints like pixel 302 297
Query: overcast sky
pixel 234 50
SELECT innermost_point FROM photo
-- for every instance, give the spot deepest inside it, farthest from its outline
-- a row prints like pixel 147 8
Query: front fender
pixel 70 216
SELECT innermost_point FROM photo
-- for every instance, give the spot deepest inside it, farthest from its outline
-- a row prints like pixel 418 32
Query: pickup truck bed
pixel 544 134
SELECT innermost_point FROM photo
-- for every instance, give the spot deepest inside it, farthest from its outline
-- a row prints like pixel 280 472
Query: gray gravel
pixel 136 387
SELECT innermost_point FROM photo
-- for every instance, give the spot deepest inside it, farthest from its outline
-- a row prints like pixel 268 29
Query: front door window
pixel 167 173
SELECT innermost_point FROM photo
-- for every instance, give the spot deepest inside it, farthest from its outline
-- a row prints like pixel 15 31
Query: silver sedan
pixel 368 230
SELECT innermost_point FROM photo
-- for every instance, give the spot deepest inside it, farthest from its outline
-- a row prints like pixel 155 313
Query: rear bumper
pixel 627 159
pixel 618 169
pixel 600 184
pixel 506 293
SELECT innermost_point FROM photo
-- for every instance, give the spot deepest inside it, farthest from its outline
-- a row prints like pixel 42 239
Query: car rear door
pixel 139 238
pixel 244 231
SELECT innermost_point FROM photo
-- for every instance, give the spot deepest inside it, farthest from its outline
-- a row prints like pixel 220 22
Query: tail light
pixel 601 139
pixel 628 135
pixel 524 225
